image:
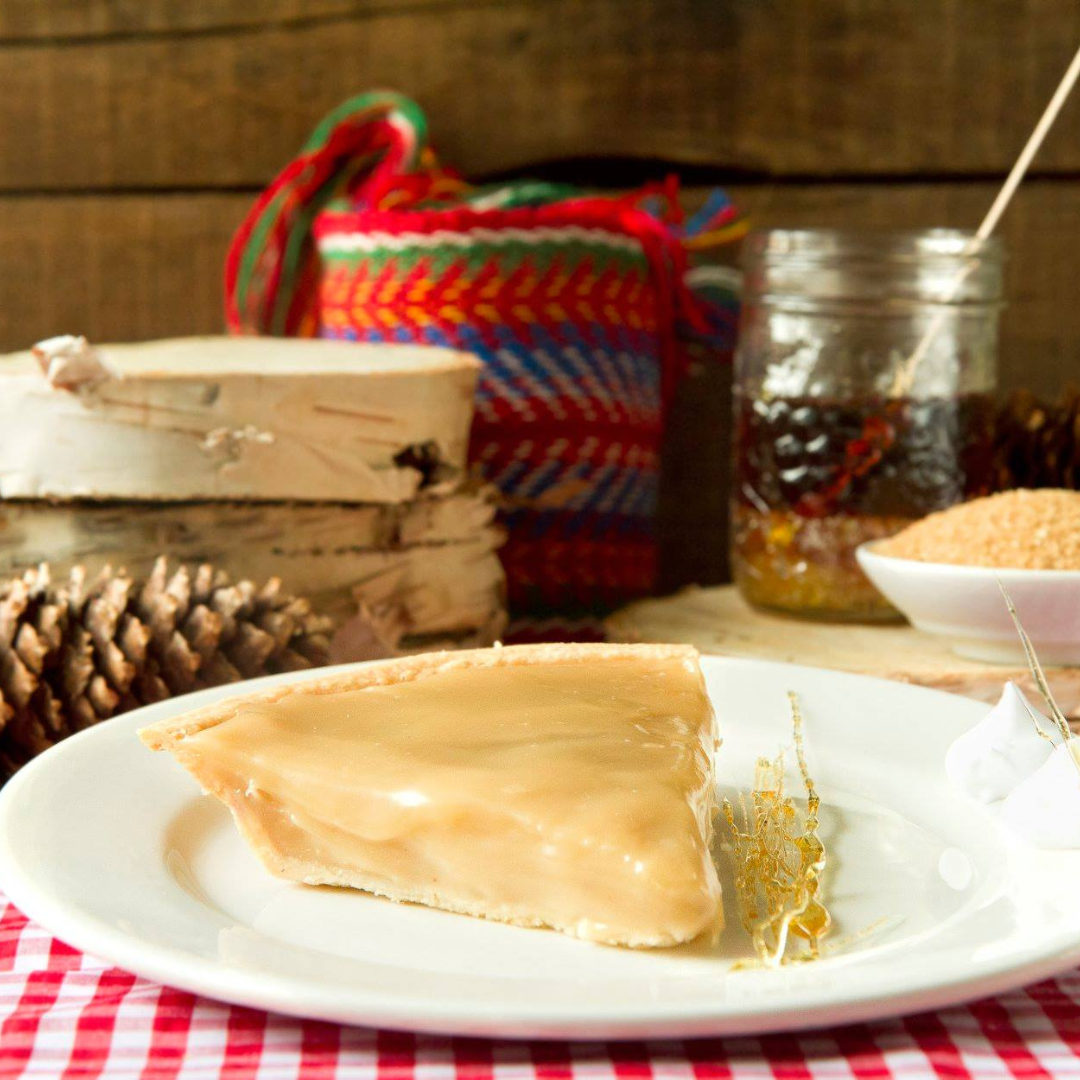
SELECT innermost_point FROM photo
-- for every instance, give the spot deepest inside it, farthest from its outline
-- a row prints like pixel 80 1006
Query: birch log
pixel 426 567
pixel 238 418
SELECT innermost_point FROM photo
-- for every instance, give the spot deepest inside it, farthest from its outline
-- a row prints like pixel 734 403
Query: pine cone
pixel 1037 443
pixel 77 653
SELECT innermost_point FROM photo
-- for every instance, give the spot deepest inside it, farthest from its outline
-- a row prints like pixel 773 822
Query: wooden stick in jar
pixel 905 374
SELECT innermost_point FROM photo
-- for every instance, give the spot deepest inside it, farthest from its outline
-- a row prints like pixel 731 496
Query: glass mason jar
pixel 863 381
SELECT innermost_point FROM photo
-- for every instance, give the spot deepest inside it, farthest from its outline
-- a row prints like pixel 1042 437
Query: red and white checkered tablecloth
pixel 64 1015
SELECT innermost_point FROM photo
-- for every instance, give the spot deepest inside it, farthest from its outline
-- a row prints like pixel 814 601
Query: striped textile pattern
pixel 569 407
pixel 66 1016
pixel 576 305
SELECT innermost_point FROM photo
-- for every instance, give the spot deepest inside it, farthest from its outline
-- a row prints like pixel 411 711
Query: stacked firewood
pixel 313 497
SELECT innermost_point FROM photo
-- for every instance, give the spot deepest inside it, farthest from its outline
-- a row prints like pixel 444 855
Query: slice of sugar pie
pixel 567 786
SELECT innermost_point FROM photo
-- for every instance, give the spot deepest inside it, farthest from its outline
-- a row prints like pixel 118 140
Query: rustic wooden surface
pixel 719 621
pixel 134 135
pixel 216 93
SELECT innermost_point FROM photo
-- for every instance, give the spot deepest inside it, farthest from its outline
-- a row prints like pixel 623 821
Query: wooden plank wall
pixel 134 133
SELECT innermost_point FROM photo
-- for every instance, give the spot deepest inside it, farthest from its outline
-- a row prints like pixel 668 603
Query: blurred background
pixel 135 134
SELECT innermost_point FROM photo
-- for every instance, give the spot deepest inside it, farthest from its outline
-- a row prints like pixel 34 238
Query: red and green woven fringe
pixel 575 304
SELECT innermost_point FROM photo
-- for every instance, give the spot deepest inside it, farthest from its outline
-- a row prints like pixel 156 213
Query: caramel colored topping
pixel 779 858
pixel 573 794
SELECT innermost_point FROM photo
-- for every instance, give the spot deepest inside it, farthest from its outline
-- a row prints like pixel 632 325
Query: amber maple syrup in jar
pixel 863 381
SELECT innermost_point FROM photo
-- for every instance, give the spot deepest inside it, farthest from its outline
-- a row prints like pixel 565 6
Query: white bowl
pixel 964 605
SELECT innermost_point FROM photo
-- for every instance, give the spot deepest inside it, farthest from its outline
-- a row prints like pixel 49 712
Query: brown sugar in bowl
pixel 1019 530
pixel 946 574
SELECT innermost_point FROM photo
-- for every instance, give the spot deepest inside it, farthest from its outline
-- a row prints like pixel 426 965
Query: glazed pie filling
pixel 576 795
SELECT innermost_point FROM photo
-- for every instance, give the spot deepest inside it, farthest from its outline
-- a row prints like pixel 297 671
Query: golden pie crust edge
pixel 166 733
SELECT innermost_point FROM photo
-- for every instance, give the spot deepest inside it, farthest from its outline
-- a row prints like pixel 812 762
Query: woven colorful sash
pixel 573 302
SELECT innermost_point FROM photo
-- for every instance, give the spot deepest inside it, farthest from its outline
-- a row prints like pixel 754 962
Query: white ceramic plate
pixel 113 849
pixel 963 605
